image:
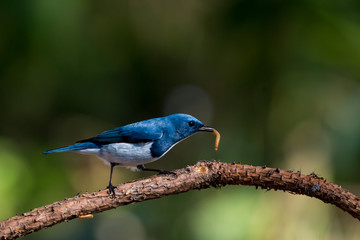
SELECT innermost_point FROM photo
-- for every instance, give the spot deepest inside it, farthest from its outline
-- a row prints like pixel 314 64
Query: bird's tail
pixel 78 146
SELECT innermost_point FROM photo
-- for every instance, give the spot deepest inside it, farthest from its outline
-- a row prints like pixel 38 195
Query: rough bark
pixel 199 176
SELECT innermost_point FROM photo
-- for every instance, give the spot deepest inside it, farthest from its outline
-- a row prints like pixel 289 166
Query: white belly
pixel 125 154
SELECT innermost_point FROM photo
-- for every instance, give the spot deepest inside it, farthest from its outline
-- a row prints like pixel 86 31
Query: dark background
pixel 278 79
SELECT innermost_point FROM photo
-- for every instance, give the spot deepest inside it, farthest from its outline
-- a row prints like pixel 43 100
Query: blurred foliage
pixel 278 79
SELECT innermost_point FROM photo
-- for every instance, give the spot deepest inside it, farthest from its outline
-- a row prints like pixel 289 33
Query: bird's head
pixel 185 125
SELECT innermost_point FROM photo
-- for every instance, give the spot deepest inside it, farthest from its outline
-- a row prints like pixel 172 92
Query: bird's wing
pixel 127 134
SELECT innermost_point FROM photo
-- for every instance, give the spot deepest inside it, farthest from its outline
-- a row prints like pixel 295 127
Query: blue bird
pixel 139 143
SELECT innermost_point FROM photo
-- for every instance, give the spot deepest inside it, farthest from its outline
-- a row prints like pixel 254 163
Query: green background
pixel 280 80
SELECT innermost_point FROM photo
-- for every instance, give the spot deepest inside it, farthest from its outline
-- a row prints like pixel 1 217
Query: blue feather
pixel 78 146
pixel 141 132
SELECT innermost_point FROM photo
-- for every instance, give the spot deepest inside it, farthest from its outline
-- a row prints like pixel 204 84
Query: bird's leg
pixel 111 187
pixel 160 171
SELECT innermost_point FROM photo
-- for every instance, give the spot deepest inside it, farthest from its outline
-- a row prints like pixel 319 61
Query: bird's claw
pixel 166 172
pixel 111 189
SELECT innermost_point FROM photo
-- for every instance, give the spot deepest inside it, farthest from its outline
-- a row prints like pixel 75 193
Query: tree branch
pixel 202 175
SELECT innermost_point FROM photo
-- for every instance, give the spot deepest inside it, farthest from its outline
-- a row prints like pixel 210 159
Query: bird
pixel 139 143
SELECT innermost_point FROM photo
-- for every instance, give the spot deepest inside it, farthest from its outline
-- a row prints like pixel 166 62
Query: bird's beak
pixel 214 131
pixel 206 129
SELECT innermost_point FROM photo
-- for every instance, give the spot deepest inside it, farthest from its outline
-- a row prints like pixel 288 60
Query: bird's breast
pixel 127 154
pixel 162 146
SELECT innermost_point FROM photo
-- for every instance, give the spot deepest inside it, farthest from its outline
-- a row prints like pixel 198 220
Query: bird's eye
pixel 191 123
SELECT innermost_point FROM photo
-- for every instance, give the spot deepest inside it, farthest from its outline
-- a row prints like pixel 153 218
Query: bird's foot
pixel 166 172
pixel 111 189
pixel 160 171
